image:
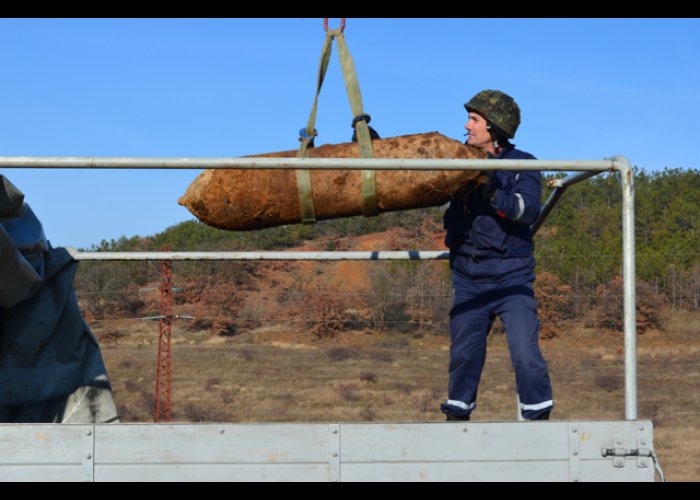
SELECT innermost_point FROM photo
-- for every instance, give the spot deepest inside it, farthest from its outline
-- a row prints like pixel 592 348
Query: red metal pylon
pixel 161 411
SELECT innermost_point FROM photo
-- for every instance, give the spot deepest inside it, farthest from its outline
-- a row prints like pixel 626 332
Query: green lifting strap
pixel 352 86
pixel 306 201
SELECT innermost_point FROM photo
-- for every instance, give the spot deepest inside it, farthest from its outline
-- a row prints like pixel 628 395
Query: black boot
pixel 543 416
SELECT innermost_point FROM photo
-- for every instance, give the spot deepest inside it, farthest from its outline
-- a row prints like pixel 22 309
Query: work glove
pixel 492 184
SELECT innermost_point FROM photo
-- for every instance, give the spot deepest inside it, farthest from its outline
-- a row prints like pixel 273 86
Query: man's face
pixel 479 135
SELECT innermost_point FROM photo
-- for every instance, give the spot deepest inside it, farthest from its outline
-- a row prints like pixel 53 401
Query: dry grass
pixel 279 377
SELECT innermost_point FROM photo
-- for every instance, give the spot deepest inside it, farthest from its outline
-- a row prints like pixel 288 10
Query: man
pixel 493 266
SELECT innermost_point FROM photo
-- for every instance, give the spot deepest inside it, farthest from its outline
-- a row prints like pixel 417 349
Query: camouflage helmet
pixel 498 108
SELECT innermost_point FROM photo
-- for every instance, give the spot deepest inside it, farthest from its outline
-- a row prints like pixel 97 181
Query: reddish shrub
pixel 555 304
pixel 609 311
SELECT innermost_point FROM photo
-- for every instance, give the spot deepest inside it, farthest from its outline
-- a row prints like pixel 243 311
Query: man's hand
pixel 492 184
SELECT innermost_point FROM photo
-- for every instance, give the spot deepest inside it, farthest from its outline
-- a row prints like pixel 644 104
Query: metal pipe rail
pixel 263 255
pixel 301 163
pixel 559 186
pixel 617 163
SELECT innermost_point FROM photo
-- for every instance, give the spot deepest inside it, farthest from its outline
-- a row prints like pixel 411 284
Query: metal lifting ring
pixel 342 24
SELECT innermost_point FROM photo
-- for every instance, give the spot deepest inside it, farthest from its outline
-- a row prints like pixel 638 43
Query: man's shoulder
pixel 517 154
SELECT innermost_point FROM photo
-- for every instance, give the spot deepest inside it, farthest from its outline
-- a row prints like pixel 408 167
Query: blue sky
pixel 588 89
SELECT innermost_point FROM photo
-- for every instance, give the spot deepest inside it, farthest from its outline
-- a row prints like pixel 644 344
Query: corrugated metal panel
pixel 49 473
pixel 501 471
pixel 454 442
pixel 206 443
pixel 212 472
pixel 42 444
pixel 511 451
pixel 44 452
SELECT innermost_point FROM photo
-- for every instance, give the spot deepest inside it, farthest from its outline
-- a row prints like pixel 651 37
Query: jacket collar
pixel 504 151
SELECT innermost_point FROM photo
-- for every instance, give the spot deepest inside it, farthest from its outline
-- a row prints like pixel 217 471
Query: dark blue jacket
pixel 499 227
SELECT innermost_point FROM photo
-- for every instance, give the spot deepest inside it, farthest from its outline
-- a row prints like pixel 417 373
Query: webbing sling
pixel 352 86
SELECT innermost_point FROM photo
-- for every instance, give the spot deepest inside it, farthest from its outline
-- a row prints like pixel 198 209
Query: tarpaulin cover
pixel 51 368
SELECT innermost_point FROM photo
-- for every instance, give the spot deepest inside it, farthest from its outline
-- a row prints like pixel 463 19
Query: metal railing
pixel 587 169
pixel 263 255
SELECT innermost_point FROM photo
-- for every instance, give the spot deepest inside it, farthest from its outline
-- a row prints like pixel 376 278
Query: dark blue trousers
pixel 477 302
